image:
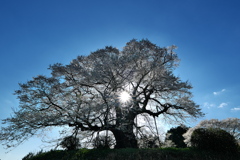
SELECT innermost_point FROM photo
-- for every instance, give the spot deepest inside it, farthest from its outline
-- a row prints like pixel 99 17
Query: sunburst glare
pixel 124 97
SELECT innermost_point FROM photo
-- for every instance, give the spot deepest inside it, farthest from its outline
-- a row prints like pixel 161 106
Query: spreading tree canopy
pixel 105 90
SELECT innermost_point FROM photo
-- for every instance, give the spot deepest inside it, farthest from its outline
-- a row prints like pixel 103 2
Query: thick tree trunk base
pixel 125 139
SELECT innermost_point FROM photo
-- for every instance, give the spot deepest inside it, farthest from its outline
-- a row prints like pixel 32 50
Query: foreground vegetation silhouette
pixel 207 143
pixel 134 154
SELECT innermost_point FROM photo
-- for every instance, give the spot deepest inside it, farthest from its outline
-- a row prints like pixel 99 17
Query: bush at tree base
pixel 103 142
pixel 213 139
pixel 70 143
pixel 149 141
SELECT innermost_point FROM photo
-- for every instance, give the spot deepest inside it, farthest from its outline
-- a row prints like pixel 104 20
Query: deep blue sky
pixel 35 34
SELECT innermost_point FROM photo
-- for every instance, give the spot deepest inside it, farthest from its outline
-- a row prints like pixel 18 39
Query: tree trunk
pixel 125 138
pixel 123 132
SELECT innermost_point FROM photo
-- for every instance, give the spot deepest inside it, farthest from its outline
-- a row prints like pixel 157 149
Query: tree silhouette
pixel 87 94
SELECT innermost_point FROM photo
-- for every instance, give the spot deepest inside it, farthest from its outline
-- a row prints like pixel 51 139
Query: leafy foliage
pixel 85 94
pixel 214 139
pixel 28 156
pixel 174 135
pixel 231 125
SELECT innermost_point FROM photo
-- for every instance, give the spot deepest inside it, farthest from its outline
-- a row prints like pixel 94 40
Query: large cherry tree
pixel 104 91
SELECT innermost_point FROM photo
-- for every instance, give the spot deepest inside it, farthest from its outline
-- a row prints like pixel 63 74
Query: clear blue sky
pixel 35 34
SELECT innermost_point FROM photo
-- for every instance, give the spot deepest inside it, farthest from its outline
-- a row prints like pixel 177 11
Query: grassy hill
pixel 133 154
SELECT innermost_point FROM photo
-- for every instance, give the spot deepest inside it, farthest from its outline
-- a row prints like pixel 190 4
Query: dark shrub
pixel 70 143
pixel 175 135
pixel 213 139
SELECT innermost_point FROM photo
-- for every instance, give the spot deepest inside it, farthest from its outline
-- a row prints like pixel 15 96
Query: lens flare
pixel 124 97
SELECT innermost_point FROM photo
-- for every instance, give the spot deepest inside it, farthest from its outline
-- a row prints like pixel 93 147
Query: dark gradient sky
pixel 35 34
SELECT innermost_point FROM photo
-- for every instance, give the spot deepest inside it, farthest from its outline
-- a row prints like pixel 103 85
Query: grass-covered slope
pixel 134 154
